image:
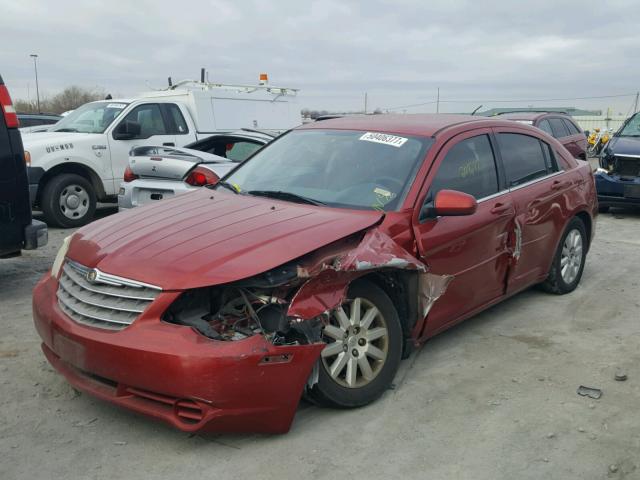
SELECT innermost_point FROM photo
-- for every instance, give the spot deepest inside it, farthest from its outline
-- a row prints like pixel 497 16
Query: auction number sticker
pixel 384 138
pixel 117 105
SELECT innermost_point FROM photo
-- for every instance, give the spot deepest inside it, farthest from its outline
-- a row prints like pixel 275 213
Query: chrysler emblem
pixel 91 276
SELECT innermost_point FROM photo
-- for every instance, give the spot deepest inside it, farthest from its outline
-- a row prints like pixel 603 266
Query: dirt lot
pixel 494 398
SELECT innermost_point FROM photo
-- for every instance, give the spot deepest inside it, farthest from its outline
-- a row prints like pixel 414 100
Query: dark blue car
pixel 618 178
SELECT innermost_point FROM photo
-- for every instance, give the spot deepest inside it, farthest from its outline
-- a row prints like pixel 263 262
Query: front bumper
pixel 145 190
pixel 174 374
pixel 616 191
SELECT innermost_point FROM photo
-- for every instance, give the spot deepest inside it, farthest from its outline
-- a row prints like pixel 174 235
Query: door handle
pixel 500 208
pixel 559 185
pixel 168 144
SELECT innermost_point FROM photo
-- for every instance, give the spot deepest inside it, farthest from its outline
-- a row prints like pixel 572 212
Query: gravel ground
pixel 493 398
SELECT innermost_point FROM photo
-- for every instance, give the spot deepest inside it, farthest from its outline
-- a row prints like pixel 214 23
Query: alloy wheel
pixel 357 343
pixel 571 257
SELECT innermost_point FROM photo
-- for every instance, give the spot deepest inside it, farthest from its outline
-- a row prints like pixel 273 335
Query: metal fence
pixel 601 121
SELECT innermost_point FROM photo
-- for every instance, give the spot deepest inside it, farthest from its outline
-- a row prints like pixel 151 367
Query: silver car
pixel 156 173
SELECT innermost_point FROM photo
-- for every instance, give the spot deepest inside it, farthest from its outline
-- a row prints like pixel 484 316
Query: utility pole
pixel 365 103
pixel 35 66
pixel 635 104
pixel 438 101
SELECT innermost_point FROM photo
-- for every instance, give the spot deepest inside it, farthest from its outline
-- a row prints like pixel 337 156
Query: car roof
pixel 427 125
pixel 532 115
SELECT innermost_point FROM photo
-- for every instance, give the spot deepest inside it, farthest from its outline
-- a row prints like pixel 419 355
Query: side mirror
pixel 451 203
pixel 127 130
pixel 586 133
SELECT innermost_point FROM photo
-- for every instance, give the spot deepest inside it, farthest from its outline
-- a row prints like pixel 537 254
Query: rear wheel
pixel 364 346
pixel 568 262
pixel 68 201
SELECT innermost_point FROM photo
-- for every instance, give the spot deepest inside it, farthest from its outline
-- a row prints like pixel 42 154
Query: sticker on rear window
pixel 116 105
pixel 384 138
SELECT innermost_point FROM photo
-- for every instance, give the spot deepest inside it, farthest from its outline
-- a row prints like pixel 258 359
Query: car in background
pixel 314 266
pixel 156 173
pixel 618 178
pixel 18 230
pixel 38 119
pixel 37 122
pixel 557 124
pixel 81 160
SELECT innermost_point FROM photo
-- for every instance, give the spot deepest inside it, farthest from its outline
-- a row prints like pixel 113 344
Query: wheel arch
pixel 588 225
pixel 77 168
pixel 401 286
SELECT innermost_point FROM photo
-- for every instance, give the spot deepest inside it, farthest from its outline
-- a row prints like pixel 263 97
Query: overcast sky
pixel 399 51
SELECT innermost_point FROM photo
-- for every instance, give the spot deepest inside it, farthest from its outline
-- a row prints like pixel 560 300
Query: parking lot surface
pixel 493 398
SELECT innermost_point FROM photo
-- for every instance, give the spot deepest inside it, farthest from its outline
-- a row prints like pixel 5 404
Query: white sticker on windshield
pixel 384 139
pixel 117 105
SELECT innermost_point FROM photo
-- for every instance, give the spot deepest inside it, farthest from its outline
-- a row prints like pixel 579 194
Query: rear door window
pixel 469 167
pixel 573 130
pixel 558 127
pixel 523 158
pixel 240 151
pixel 545 127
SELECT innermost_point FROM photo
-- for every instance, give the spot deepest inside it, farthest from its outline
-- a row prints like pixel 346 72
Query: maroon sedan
pixel 558 125
pixel 313 268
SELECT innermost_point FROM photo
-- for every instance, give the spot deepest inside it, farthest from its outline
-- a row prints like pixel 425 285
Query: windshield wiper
pixel 65 130
pixel 226 185
pixel 294 197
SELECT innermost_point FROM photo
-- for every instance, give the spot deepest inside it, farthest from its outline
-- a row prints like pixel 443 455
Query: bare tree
pixel 69 99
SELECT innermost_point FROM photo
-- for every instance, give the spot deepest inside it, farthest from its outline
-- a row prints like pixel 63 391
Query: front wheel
pixel 364 347
pixel 568 262
pixel 68 201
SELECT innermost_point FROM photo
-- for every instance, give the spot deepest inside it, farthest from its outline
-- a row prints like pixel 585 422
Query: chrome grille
pixel 94 298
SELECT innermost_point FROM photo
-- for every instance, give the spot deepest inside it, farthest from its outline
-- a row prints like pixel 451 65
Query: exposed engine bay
pixel 237 312
pixel 625 166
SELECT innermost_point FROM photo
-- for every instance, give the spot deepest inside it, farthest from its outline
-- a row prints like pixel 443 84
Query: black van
pixel 18 231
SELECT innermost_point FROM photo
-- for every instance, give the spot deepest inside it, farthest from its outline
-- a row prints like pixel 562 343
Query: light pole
pixel 35 66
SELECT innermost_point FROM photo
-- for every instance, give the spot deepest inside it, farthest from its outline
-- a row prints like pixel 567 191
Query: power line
pixel 513 101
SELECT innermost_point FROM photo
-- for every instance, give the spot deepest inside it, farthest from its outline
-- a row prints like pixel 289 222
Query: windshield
pixel 339 168
pixel 632 128
pixel 90 118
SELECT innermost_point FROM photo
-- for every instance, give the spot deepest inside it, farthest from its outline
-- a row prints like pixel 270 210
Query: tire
pixel 562 281
pixel 348 391
pixel 68 201
pixel 603 209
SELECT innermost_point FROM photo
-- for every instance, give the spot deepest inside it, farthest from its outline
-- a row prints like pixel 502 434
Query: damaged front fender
pixel 327 288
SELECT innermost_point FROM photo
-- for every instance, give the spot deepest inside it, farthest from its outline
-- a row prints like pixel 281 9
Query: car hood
pixel 624 146
pixel 210 237
pixel 36 140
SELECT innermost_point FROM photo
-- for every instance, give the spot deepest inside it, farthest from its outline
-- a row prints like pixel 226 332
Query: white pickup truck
pixel 82 159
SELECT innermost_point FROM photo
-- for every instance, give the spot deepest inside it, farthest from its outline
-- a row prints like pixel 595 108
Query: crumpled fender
pixel 331 276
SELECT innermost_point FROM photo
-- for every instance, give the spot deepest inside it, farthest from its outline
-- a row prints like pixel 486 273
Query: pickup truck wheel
pixel 568 261
pixel 68 201
pixel 364 346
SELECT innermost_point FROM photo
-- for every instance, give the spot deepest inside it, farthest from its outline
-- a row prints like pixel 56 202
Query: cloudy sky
pixel 495 53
